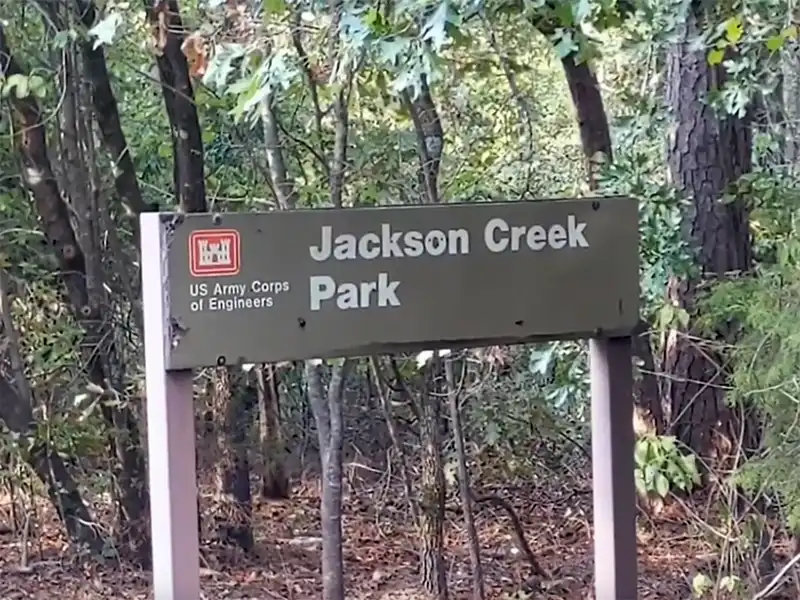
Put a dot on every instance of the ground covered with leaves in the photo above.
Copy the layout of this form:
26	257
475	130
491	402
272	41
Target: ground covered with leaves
380	553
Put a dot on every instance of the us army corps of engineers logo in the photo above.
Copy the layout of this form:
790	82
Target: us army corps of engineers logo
214	253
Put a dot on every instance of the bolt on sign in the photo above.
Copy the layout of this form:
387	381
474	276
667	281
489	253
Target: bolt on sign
262	287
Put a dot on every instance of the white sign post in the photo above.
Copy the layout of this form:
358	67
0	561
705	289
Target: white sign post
170	433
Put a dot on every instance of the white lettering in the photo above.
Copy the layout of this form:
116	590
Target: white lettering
323	251
231	297
234	304
517	233
380	293
387	291
557	237
389	244
198	289
414	246
345	247
493	244
536	238
269	287
369	246
435	243
575	233
499	236
321	288
229	289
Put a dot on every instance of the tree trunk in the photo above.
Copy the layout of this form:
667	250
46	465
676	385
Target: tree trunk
790	72
107	115
591	115
707	154
164	18
453	396
234	503
328	416
432	490
433	578
274	480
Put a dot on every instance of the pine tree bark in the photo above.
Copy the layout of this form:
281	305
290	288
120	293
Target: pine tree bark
707	153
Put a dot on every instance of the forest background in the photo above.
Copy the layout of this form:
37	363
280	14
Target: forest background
464	475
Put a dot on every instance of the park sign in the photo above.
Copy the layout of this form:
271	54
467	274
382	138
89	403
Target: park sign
283	285
262	287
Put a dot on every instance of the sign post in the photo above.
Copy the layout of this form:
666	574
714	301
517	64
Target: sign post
291	285
170	432
613	487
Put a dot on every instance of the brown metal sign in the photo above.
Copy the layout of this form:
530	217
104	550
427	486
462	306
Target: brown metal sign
262	287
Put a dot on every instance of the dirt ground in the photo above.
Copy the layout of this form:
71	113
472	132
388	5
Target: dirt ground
380	554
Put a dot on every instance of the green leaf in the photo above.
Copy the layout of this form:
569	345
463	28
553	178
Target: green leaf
491	433
715	57
374	19
38	86
460	39
774	43
61	39
734	29
105	30
640	453
564	14
729	583
16	83
208	136
435	29
666	316
641	488
23	87
650	475
689	464
565	45
668	443
275	7
662	485
701	585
